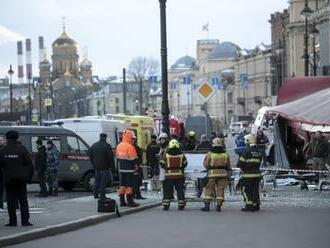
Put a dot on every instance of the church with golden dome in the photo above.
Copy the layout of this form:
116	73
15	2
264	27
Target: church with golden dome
66	80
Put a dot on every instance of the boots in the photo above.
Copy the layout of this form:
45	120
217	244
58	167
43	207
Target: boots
50	192
166	207
248	208
219	208
122	201
130	201
206	207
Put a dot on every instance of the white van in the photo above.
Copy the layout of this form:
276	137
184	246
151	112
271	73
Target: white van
90	128
237	127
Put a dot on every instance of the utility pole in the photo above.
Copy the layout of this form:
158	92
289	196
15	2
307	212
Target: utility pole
141	96
30	100
11	72
165	108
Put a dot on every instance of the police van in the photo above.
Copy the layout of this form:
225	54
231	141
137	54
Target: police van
75	167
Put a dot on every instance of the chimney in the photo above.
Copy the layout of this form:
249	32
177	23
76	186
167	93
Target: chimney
42	51
20	68
28	57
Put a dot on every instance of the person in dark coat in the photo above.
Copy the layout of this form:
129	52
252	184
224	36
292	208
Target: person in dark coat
205	144
40	164
102	159
138	174
18	171
152	151
53	164
2	144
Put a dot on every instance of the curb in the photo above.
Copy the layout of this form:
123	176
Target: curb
68	226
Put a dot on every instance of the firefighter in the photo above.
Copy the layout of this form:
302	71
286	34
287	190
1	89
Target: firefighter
217	164
174	163
249	163
191	142
127	160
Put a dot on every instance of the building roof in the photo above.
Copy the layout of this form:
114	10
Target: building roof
64	39
185	62
225	50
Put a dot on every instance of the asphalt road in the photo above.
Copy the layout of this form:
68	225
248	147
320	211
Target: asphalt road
280	227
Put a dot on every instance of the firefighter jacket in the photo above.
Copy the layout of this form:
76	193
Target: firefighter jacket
174	163
250	161
217	162
126	154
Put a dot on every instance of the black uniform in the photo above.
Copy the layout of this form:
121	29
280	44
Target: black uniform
250	162
137	175
152	152
40	164
174	163
17	170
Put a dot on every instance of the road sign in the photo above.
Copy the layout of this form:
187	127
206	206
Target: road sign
48	102
35	118
34	111
205	91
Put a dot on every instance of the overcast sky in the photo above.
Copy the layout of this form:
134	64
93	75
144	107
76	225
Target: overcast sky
115	31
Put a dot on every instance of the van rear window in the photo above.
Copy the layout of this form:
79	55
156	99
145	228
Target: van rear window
56	140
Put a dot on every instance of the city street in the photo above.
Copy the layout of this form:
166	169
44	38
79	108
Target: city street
289	218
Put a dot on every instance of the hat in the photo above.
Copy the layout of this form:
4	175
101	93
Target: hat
153	136
12	135
250	139
163	136
174	144
192	133
203	137
39	141
50	142
217	142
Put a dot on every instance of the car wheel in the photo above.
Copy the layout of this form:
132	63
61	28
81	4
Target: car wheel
89	181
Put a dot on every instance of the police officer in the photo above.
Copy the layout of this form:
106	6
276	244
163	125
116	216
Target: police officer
217	163
138	174
53	162
40	164
174	163
18	170
249	163
152	151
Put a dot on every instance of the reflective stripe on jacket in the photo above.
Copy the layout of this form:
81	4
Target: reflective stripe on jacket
250	162
217	164
174	165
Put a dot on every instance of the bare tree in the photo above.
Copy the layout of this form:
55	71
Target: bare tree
141	67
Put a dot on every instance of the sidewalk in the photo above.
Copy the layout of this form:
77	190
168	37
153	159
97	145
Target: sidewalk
51	216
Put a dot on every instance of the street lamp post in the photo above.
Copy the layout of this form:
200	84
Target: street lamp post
305	13
30	100
11	72
165	107
314	33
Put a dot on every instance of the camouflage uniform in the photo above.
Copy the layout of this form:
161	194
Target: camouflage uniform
53	163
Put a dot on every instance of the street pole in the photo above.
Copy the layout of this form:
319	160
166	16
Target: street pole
306	56
124	91
40	105
11	72
165	109
314	58
224	106
30	101
141	96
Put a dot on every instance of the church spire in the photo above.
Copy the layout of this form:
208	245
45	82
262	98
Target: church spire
63	24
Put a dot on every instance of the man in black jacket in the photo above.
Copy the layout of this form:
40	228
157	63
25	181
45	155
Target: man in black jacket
152	152
102	159
17	170
40	164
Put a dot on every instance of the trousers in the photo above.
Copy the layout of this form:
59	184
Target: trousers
215	188
52	180
168	187
102	178
42	182
250	191
125	183
17	191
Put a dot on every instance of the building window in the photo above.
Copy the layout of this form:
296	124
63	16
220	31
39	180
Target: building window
136	107
117	100
117	109
230	97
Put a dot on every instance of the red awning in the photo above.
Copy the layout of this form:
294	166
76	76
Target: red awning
313	109
298	87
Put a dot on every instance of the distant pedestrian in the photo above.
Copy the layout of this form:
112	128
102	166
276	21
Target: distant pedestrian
163	143
53	163
191	142
262	142
102	159
18	171
152	151
319	150
2	144
40	164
